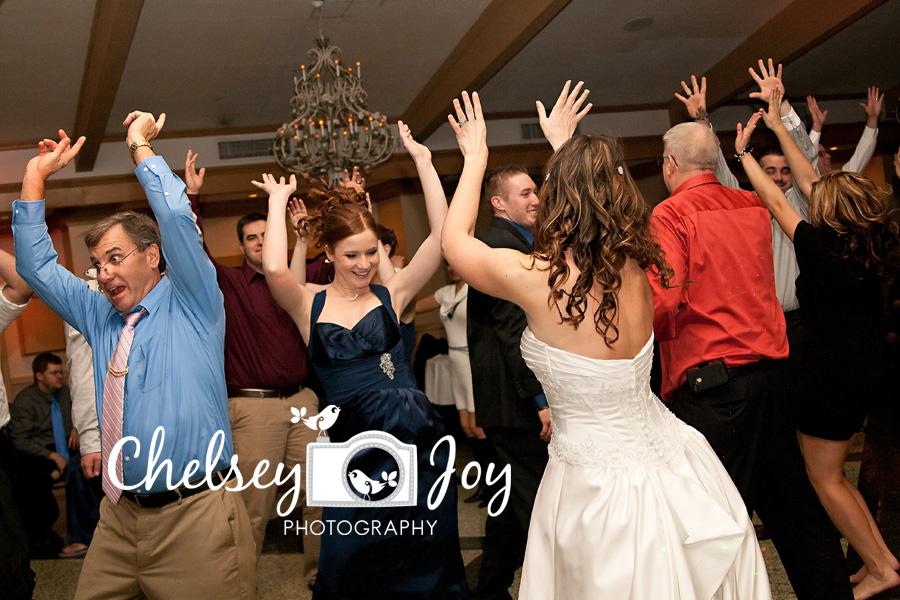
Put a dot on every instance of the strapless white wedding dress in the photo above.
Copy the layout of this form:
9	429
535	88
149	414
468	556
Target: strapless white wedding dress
634	503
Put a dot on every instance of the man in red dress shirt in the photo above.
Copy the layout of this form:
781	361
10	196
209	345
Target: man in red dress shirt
723	344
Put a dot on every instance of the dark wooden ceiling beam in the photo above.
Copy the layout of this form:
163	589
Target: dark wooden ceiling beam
115	22
502	30
798	28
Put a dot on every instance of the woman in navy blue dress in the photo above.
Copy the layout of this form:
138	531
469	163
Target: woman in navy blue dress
352	333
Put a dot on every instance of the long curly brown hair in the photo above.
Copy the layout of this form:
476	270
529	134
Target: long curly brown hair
592	208
336	213
860	213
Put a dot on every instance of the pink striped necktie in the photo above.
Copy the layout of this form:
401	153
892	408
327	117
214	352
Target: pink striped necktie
113	402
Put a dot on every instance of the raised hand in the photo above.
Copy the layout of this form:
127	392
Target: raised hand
818	115
768	79
54	156
560	124
279	189
772	117
193	178
872	106
298	217
419	152
354	181
143	125
471	133
744	132
695	101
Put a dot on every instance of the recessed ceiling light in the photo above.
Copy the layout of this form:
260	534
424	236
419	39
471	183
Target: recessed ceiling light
638	24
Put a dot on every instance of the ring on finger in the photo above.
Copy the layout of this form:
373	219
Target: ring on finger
462	122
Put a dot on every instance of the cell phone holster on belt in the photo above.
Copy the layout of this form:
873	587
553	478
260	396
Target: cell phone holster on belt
707	377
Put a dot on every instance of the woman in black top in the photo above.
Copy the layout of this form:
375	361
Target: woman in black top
844	251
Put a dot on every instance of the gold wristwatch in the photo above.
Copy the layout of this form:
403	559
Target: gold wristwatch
137	144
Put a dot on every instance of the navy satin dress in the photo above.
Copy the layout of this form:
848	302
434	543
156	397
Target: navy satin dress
354	371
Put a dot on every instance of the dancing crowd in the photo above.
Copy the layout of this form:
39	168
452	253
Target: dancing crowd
767	309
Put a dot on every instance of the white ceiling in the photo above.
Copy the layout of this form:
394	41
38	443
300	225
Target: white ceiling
213	65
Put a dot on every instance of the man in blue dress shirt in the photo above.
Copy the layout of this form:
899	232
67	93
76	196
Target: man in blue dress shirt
168	535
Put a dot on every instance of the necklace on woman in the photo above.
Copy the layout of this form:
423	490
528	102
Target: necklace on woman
352	298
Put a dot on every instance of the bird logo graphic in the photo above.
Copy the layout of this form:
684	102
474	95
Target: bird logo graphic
319	422
365	486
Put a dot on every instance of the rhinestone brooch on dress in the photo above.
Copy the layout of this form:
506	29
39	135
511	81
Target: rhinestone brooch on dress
387	365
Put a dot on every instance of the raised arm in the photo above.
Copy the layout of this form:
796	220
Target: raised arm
406	284
770	78
193	182
562	121
298	216
803	172
494	271
36	259
189	269
694	100
865	148
818	116
193	178
766	189
16	290
294	298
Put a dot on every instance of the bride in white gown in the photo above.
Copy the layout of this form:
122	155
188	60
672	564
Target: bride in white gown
634	503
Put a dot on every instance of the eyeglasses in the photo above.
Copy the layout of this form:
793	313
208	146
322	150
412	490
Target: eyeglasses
110	266
662	161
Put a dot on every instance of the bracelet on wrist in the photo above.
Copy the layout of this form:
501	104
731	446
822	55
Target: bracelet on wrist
703	118
740	155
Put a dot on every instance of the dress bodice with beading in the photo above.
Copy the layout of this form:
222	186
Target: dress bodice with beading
365	372
602	411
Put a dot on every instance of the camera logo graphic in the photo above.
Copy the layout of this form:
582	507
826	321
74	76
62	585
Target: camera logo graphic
372	468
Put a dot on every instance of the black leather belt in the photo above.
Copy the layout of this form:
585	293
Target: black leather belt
288	390
754	367
165	498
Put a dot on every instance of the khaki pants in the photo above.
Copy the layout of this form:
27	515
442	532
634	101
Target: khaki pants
200	547
262	430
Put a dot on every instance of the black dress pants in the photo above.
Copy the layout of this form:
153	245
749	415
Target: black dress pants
506	534
749	423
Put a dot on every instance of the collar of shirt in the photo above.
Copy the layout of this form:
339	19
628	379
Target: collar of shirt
248	271
523	230
697	180
151	301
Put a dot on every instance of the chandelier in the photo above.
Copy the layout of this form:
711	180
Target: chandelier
330	130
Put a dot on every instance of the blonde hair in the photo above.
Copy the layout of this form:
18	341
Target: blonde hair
859	212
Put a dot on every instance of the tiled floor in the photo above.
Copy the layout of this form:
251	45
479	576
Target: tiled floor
876	462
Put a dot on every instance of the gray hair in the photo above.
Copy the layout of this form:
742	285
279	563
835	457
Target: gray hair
693	146
140	228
